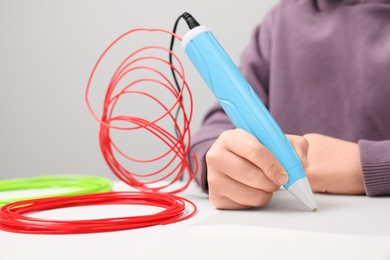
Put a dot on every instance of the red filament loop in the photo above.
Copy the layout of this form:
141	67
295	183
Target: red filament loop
173	161
13	216
156	186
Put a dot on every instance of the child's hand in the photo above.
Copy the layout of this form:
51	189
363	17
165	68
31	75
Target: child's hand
334	165
243	173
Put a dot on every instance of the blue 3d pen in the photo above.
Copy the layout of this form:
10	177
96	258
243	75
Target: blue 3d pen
242	105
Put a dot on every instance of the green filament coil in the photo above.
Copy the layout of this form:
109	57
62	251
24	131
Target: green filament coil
77	185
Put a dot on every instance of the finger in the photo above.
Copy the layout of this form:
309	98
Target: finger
247	146
301	147
224	186
243	171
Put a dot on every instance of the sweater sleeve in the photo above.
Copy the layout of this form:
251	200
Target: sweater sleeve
375	159
254	66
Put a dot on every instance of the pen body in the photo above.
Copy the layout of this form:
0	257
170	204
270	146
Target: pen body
238	99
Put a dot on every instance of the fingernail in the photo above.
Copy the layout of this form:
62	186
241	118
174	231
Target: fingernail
282	178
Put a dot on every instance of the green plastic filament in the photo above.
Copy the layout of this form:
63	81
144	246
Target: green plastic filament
78	184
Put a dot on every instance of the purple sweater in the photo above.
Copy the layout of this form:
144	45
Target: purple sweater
321	66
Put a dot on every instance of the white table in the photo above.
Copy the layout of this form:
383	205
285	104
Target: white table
345	227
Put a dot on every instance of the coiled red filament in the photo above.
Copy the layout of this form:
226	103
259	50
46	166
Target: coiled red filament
174	159
13	216
154	184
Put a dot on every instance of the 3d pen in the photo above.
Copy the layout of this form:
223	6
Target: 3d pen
242	105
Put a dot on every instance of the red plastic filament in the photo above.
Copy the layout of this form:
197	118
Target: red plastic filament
13	216
173	160
139	75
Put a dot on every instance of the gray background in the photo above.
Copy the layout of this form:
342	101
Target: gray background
47	50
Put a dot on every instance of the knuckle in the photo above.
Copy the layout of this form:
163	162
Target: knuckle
214	156
211	155
226	135
239	131
253	150
212	179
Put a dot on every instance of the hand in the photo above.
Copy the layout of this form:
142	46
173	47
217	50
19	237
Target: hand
242	173
334	165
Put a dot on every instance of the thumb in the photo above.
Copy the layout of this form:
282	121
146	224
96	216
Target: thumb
301	147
